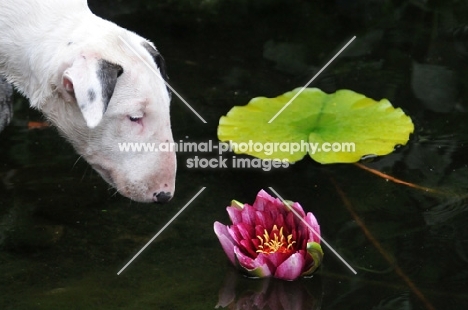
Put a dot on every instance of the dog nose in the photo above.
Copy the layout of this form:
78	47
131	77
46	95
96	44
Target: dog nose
162	197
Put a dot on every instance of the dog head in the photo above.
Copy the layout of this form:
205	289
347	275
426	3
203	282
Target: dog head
112	95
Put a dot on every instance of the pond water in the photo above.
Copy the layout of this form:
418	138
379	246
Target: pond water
64	234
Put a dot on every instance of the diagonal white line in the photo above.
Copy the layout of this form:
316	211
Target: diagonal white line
311	80
161	230
313	231
167	84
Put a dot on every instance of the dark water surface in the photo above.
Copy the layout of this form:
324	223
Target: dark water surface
64	234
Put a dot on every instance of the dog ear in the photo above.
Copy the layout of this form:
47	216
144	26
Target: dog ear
91	82
158	59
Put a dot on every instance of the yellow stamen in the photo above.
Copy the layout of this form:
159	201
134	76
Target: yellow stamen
279	243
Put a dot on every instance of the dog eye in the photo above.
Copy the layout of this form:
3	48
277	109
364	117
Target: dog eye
135	119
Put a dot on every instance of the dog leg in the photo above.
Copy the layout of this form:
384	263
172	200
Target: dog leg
6	109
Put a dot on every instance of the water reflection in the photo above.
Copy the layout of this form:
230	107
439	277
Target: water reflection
239	292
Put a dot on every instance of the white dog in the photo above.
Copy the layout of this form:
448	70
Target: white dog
100	84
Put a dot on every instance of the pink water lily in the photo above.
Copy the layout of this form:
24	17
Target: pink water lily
268	239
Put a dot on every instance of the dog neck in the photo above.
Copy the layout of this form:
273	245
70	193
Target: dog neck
41	53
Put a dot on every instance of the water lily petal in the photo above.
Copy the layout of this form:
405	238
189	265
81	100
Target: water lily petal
315	251
226	241
279	220
261	220
273	259
256	242
291	268
290	225
259	230
249	247
312	221
248	215
298	208
254	268
243	260
263	199
234	214
268	220
234	233
247	231
259	272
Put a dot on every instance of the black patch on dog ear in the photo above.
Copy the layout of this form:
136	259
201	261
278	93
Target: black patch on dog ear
160	63
107	74
91	95
158	59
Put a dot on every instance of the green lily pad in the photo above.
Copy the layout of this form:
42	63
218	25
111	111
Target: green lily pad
333	128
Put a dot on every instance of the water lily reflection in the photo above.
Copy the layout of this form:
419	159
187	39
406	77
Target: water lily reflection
270	294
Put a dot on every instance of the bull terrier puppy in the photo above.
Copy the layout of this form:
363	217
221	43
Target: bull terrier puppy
99	84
